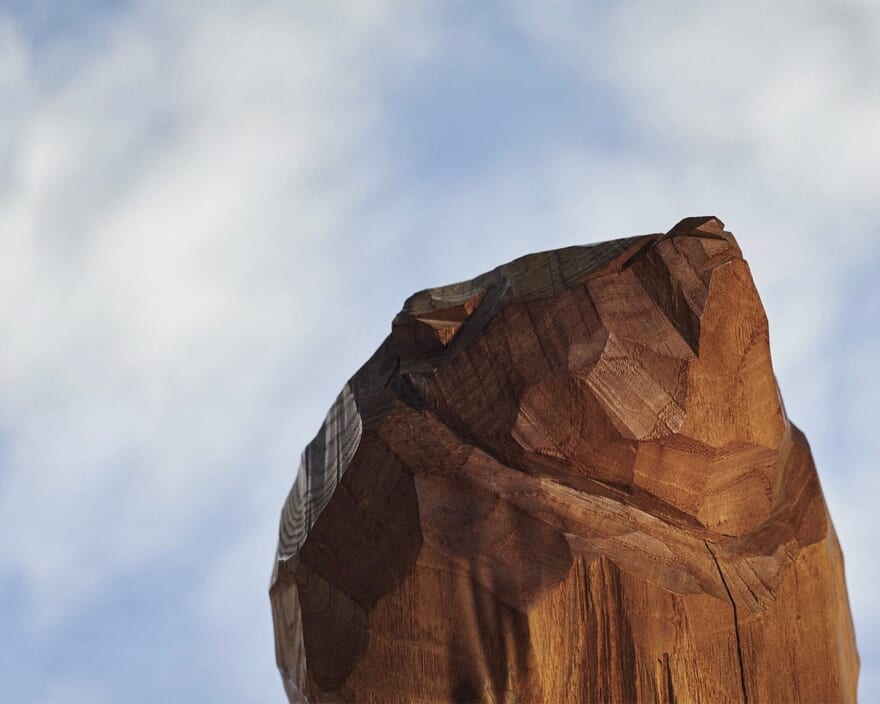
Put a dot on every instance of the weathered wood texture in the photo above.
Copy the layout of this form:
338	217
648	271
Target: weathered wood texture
571	479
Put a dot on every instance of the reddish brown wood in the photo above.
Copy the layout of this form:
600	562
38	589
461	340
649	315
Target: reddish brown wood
571	479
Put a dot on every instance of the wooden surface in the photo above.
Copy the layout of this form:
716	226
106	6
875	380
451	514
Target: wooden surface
571	479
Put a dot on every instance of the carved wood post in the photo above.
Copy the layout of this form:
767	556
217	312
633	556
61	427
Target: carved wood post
571	479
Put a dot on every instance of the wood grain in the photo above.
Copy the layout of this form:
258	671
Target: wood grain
571	479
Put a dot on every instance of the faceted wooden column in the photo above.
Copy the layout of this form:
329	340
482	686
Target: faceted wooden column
571	479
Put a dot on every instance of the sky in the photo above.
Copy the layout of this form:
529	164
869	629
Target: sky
211	211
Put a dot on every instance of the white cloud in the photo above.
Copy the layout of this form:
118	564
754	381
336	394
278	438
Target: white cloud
72	691
790	88
171	208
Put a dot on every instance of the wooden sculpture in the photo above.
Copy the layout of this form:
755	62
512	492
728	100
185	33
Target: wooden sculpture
571	479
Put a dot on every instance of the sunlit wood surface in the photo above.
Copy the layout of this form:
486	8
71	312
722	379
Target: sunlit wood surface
571	479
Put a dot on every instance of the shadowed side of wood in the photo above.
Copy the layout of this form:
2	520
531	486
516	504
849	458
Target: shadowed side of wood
570	479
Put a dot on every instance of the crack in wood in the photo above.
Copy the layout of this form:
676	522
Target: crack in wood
739	653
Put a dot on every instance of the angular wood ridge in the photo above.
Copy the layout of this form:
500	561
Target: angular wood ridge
570	479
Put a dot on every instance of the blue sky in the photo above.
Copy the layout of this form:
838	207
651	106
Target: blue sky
210	212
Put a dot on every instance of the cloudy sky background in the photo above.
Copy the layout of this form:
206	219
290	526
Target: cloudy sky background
210	212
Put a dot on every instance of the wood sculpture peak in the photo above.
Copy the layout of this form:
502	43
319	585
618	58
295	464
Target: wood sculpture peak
570	479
